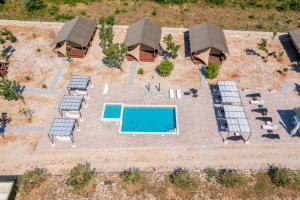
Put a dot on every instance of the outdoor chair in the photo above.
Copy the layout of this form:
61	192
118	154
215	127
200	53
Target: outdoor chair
178	93
171	94
257	102
270	126
187	93
105	89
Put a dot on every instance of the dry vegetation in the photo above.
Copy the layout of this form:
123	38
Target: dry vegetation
257	185
230	16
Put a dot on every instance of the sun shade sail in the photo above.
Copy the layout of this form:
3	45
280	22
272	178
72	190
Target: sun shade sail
79	83
71	103
62	127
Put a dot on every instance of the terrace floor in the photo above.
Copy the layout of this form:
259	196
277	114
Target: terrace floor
197	146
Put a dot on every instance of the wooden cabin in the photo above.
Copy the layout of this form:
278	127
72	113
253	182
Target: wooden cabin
143	41
75	37
207	44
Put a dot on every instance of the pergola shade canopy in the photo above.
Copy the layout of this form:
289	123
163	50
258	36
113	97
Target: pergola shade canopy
76	32
295	37
143	32
207	36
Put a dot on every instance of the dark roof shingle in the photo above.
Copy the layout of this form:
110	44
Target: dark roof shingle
143	32
207	35
78	30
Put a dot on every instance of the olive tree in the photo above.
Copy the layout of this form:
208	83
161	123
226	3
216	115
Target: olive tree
115	54
171	46
9	90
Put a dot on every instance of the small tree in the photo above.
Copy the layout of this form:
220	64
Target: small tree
115	54
263	45
171	46
9	90
106	34
279	176
33	5
132	175
212	70
165	68
182	178
80	176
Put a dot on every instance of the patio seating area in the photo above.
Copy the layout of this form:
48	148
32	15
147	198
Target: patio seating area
70	110
230	113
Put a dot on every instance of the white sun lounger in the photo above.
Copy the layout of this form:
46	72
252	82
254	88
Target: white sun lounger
269	127
171	94
105	89
80	92
257	102
178	93
73	114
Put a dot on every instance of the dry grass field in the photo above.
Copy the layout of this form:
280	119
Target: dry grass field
231	16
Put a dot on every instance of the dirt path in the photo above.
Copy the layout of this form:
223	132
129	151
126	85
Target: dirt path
238	156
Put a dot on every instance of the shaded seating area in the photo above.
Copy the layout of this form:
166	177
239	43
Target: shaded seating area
75	37
79	85
207	44
71	106
70	110
62	129
230	113
295	38
143	40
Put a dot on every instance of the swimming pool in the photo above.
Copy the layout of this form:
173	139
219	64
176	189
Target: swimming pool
147	119
111	112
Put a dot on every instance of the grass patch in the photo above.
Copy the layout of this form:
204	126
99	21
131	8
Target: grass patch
30	180
279	176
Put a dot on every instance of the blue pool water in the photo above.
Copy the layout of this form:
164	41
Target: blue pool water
148	119
112	111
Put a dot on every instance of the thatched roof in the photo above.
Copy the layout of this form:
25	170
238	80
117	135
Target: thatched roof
295	36
78	31
207	35
143	32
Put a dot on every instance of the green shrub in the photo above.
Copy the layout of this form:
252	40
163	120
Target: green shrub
115	55
9	90
171	46
154	12
5	32
285	69
63	17
12	38
140	71
53	10
217	2
279	176
183	179
165	68
230	178
80	176
31	179
132	175
33	5
212	70
211	173
2	41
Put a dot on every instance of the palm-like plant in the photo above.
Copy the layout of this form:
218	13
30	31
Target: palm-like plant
9	90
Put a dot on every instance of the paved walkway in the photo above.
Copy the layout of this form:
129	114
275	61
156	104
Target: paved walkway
25	129
132	72
203	82
51	89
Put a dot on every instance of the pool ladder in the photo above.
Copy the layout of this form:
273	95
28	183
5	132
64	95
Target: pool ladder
172	130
